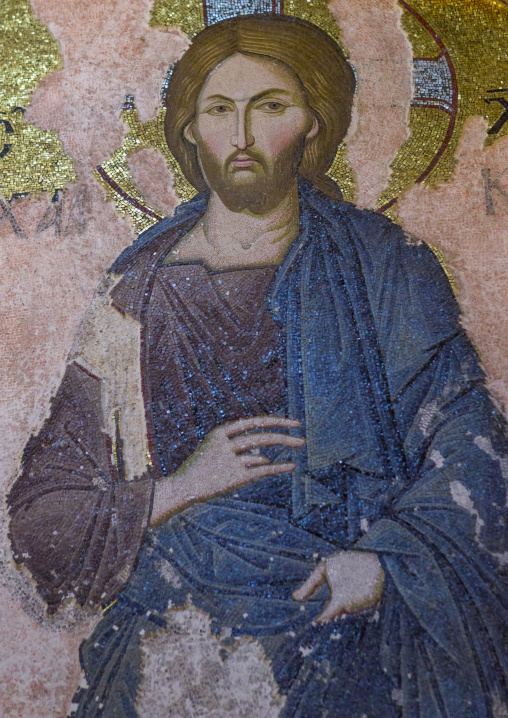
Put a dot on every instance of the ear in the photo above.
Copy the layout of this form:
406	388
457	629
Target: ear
187	133
313	130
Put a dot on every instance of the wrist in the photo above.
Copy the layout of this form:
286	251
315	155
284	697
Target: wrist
171	495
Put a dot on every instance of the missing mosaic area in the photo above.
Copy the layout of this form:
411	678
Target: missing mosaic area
450	85
114	174
460	57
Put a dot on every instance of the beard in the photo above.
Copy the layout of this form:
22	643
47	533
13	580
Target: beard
258	189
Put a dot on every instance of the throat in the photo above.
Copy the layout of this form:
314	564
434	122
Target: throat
250	243
246	231
227	239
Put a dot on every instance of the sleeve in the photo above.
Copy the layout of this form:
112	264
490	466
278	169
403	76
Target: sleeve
75	522
443	539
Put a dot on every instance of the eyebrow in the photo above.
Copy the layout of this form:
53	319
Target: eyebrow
259	96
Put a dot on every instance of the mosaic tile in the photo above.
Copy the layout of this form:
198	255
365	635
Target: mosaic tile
272	473
32	160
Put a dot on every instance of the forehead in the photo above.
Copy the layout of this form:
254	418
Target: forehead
244	76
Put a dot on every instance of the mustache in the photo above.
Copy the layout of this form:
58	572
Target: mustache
248	152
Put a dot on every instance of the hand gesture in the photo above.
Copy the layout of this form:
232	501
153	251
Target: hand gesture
355	580
227	459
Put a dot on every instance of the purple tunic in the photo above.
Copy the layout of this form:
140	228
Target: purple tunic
212	354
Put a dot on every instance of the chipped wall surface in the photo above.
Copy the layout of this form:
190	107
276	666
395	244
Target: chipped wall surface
55	254
223	676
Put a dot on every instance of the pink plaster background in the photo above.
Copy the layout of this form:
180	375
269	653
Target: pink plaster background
47	281
475	245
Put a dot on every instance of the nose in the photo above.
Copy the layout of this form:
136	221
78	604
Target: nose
242	133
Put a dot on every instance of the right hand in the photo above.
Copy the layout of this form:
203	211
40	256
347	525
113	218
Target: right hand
222	462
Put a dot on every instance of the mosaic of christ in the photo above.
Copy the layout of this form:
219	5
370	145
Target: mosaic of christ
272	431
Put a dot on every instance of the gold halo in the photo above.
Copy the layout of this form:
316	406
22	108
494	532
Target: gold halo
451	84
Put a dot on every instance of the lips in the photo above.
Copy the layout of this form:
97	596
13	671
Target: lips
243	162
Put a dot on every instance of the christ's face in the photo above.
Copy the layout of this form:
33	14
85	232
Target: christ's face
252	122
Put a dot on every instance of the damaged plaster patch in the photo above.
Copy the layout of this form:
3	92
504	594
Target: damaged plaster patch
398	697
499	708
426	416
437	457
462	498
170	574
412	240
189	672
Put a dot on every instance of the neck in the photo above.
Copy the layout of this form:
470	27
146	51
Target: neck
225	228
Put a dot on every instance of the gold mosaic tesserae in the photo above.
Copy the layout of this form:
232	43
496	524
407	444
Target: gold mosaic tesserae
460	69
31	160
460	58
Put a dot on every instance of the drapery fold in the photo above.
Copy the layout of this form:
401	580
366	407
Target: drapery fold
405	457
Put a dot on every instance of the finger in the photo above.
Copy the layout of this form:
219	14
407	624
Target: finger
253	459
332	610
252	441
259	422
270	470
311	585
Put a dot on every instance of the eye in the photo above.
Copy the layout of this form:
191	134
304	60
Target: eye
219	110
272	106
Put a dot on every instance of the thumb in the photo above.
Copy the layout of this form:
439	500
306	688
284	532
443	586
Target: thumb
315	580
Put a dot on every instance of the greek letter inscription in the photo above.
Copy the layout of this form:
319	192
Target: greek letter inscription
8	131
7	214
64	215
499	124
490	185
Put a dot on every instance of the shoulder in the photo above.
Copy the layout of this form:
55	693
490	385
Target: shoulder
155	237
405	276
379	234
135	267
383	244
375	232
396	266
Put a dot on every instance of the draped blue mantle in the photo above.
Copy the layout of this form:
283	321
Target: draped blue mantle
405	457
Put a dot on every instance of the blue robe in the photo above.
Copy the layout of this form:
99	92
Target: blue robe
404	458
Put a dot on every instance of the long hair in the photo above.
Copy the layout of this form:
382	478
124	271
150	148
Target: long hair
314	57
